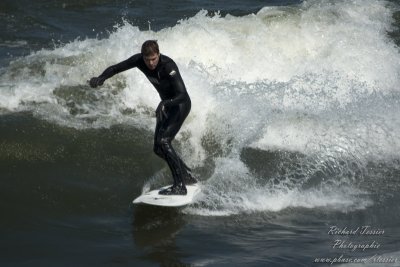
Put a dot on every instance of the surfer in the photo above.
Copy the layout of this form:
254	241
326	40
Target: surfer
172	111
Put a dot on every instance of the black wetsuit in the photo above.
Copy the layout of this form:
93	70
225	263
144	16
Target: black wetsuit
173	109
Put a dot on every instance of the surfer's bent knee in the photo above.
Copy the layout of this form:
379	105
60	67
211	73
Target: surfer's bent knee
165	144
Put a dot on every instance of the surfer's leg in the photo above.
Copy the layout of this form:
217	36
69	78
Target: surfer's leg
157	148
174	164
187	174
180	172
165	131
158	134
186	171
171	131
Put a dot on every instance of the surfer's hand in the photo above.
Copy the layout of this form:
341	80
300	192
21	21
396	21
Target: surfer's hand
96	81
160	111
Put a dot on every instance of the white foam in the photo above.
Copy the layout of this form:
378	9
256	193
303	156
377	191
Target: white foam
13	44
233	190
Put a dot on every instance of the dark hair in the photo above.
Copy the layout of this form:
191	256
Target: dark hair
150	47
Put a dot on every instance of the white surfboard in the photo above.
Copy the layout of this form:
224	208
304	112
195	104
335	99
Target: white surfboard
153	198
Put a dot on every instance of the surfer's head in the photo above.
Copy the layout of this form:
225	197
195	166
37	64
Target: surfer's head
151	54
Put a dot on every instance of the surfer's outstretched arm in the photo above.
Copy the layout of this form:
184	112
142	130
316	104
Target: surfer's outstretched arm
115	69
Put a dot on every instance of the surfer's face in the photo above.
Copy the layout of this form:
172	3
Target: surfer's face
151	61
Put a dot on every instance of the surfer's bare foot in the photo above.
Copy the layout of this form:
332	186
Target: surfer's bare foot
174	190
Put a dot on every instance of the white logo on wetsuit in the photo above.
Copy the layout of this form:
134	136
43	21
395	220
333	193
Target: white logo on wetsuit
172	73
